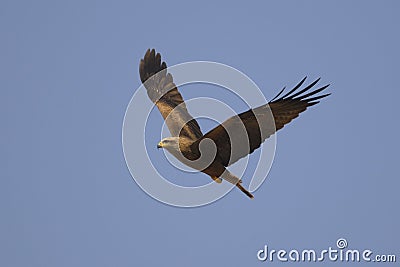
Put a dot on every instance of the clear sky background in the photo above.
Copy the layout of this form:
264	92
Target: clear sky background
69	68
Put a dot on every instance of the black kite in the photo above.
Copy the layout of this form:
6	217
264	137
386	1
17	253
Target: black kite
186	134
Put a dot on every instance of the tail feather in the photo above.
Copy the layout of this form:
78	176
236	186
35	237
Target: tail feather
244	190
236	181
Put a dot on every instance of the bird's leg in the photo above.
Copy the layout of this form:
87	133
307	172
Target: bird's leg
216	179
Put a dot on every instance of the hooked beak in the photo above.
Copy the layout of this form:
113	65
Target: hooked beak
159	145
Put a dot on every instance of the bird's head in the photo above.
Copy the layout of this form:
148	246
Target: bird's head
169	143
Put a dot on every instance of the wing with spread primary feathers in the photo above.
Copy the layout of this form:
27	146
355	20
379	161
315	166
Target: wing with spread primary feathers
257	123
164	94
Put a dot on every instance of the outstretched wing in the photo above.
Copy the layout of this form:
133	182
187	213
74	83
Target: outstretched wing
164	94
258	123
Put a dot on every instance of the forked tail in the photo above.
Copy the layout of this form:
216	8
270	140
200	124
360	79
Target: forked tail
244	190
236	181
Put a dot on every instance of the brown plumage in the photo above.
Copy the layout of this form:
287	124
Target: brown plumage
163	92
235	138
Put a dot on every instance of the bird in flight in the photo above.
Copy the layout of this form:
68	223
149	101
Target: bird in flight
233	139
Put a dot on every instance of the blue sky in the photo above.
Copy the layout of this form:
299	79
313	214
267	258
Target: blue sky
69	68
